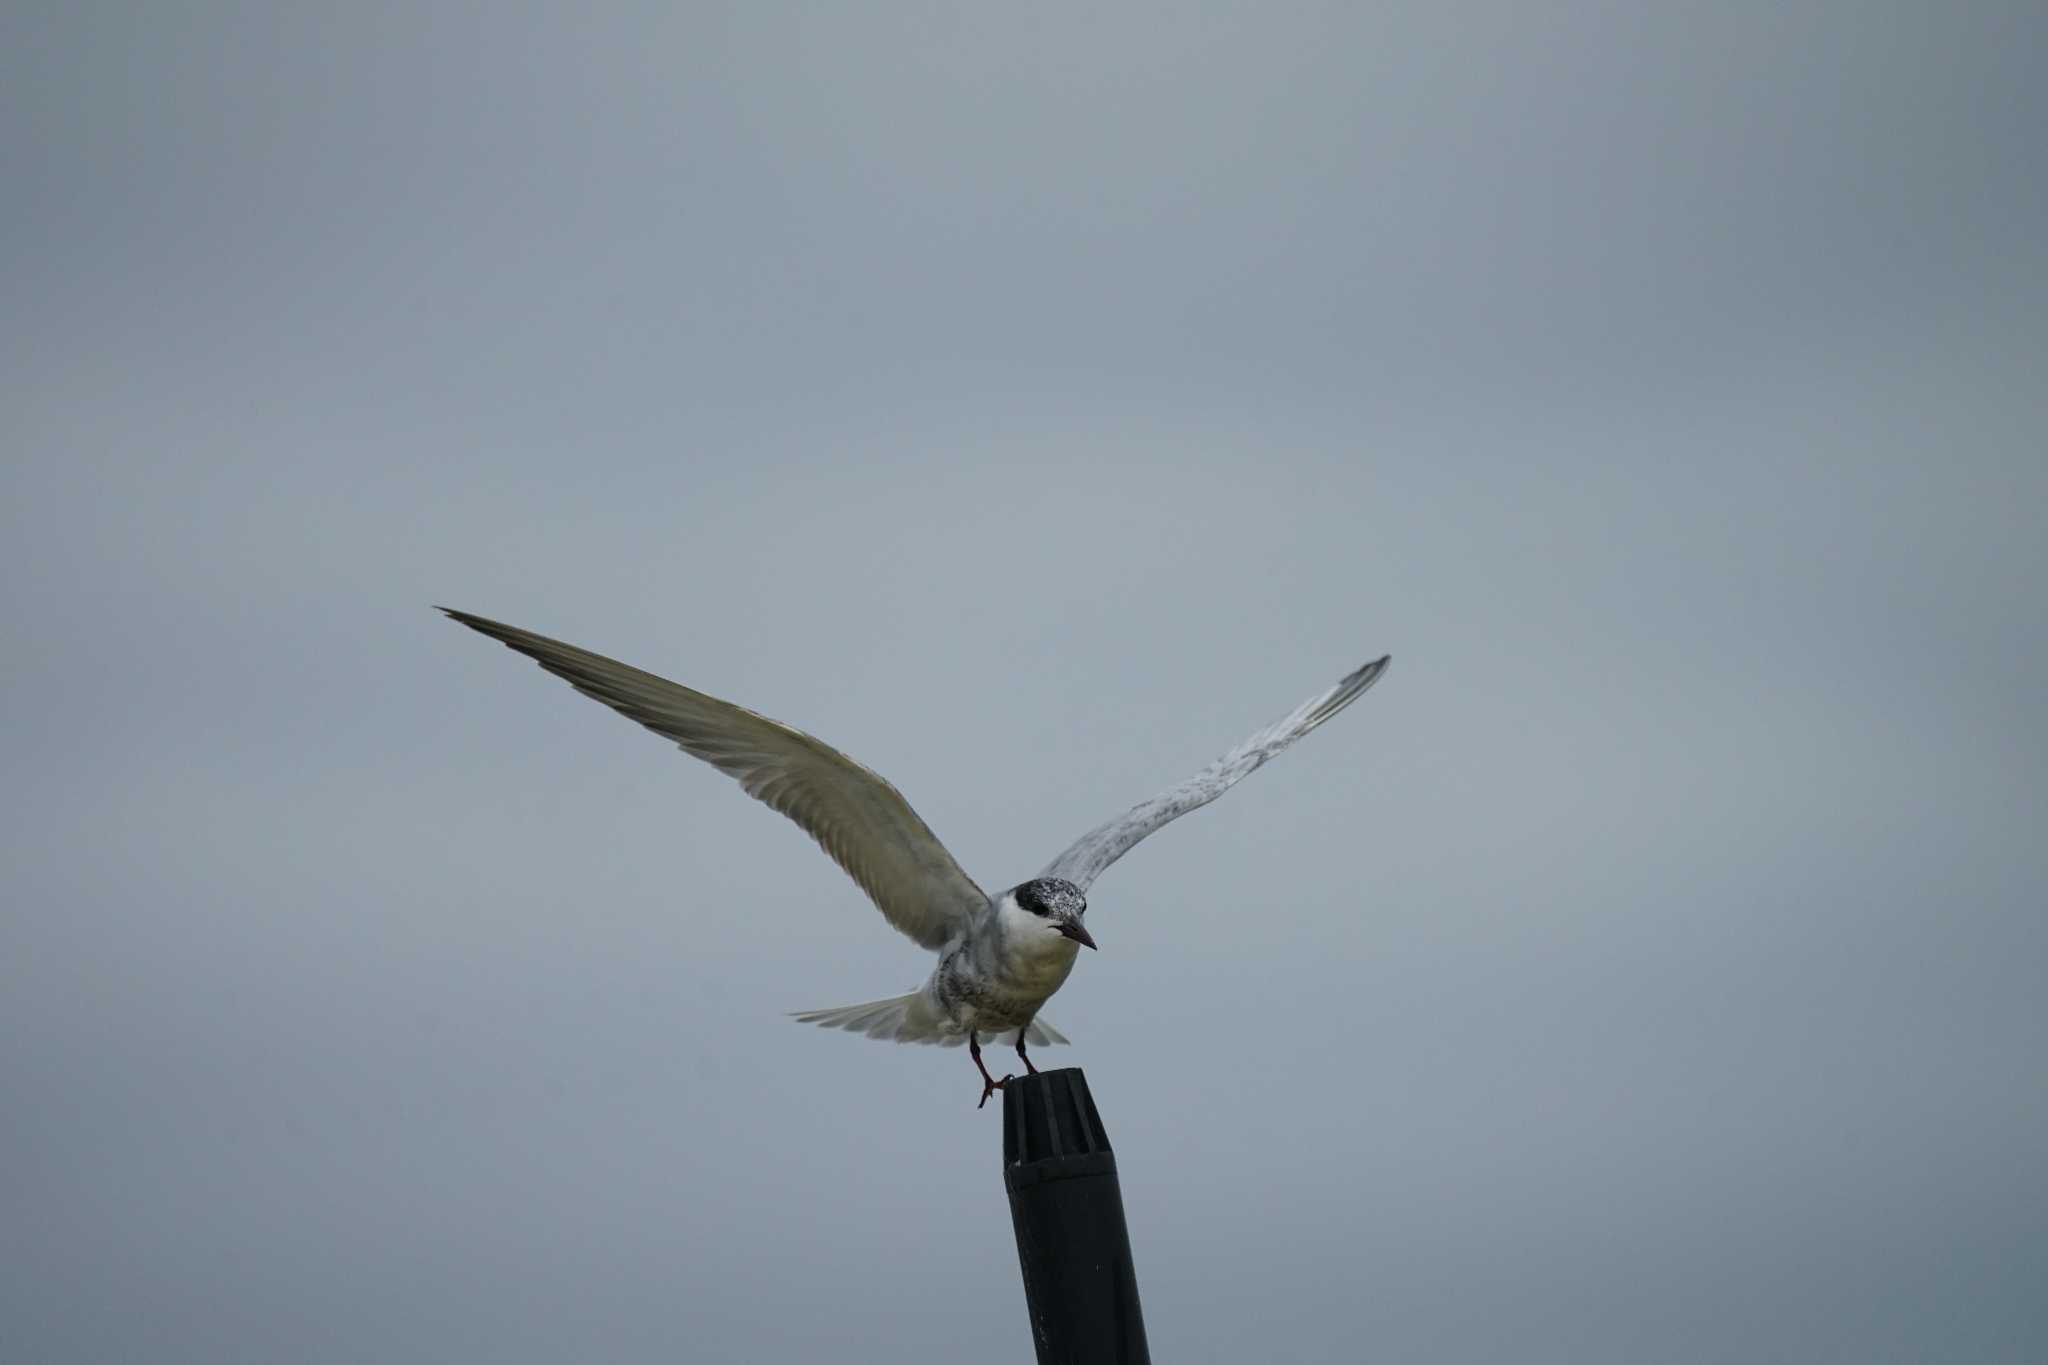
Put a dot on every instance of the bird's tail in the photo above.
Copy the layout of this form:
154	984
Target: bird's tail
911	1019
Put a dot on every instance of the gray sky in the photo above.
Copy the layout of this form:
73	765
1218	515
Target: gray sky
1030	404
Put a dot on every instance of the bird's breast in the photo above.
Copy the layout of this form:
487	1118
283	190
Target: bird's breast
1002	985
1042	969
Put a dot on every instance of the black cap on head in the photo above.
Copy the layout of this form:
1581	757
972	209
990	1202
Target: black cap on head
1051	896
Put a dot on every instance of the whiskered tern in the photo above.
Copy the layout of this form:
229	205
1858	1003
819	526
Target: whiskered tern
1000	958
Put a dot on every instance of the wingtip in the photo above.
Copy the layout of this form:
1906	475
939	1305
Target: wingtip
481	624
1370	672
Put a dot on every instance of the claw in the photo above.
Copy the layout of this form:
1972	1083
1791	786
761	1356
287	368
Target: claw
989	1084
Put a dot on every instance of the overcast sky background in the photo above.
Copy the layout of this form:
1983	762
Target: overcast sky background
1030	403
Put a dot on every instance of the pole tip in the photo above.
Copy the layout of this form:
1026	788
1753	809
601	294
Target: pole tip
1052	1117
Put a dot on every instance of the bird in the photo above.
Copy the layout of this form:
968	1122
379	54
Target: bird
1000	958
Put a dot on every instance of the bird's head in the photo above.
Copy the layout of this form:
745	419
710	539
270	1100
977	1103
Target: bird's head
1050	907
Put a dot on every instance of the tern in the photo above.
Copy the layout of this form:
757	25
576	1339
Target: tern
1000	958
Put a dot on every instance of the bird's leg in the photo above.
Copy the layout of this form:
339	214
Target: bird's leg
1020	1052
989	1084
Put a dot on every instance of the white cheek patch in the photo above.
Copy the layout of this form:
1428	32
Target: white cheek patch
1021	923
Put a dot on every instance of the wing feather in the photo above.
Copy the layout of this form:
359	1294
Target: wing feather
1094	851
856	816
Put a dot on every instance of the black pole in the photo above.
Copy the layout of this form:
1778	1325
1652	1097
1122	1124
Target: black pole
1069	1213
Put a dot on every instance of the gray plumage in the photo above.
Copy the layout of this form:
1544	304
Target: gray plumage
853	812
999	958
1091	854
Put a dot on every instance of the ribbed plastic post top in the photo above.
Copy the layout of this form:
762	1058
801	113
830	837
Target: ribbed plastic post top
1068	1211
1051	1130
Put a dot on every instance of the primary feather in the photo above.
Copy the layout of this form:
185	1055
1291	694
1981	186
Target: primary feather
1091	854
852	811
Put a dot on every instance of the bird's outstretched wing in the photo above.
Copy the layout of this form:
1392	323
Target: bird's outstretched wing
1099	847
862	821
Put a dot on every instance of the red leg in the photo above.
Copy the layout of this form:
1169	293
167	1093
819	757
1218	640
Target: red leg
1020	1052
989	1084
